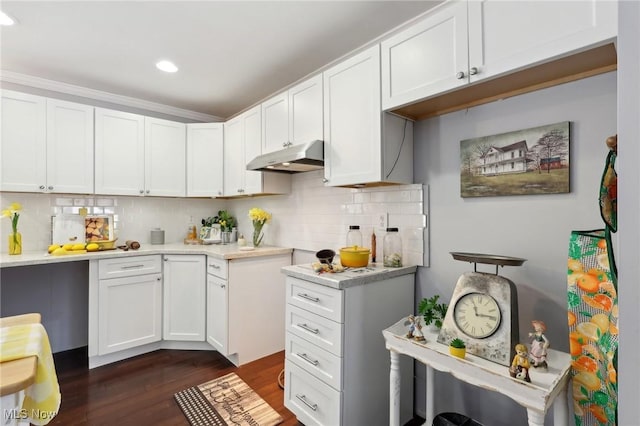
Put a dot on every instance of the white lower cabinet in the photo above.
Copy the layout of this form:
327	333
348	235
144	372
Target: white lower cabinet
217	305
337	366
130	306
184	298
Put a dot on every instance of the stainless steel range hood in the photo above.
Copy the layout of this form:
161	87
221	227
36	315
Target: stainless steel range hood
294	159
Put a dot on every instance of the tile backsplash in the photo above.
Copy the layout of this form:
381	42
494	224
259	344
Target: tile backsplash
310	218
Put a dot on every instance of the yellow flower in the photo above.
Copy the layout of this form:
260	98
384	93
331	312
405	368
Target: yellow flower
12	212
258	215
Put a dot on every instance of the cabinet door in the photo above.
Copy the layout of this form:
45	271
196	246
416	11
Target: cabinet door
507	36
23	144
129	312
205	149
426	58
184	297
352	117
165	158
305	111
234	166
217	314
69	147
252	120
275	123
119	153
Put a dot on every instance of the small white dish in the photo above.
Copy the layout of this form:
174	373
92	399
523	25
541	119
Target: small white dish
247	248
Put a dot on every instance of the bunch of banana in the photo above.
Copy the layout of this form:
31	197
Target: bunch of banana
71	248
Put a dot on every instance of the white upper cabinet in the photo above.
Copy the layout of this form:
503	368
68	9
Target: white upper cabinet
242	143
205	148
137	155
356	152
463	42
119	157
427	57
47	145
294	116
165	163
505	36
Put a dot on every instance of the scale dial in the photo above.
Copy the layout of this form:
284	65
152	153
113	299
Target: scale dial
477	315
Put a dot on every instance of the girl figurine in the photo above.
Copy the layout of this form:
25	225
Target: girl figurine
520	365
539	345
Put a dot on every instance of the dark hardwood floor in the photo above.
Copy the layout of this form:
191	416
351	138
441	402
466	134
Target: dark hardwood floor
139	391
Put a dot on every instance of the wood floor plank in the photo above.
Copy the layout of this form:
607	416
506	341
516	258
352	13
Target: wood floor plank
139	391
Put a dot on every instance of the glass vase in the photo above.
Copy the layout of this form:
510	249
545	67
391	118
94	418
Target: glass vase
257	234
15	243
225	236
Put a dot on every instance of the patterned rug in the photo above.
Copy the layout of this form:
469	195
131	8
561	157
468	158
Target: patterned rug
226	401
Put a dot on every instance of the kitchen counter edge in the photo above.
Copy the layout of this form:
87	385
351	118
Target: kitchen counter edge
225	252
342	281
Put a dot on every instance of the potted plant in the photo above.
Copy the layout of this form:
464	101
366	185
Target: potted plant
457	348
432	311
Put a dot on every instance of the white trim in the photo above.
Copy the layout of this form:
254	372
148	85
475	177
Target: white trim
85	92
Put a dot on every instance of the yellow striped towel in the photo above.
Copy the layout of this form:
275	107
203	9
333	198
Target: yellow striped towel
42	398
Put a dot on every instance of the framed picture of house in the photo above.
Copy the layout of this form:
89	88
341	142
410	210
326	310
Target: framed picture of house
523	162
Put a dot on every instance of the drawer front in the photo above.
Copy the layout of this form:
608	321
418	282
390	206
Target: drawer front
318	362
312	401
316	298
129	266
313	328
217	267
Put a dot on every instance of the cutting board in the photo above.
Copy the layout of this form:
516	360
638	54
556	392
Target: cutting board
66	228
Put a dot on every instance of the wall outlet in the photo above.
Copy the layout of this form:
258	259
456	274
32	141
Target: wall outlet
382	220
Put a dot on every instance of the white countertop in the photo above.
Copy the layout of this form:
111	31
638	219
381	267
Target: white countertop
350	277
220	251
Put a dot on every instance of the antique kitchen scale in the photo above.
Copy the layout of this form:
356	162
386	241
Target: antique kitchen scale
484	310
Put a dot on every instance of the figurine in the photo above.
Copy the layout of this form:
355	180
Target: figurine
520	365
539	345
417	333
412	326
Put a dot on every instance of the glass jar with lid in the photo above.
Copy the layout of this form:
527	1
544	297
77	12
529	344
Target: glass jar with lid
354	236
392	249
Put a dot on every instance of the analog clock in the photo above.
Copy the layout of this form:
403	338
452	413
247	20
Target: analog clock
477	315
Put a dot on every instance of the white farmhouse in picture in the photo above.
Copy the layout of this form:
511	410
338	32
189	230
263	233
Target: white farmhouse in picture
506	159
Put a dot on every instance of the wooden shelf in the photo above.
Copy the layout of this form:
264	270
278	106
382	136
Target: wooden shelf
581	65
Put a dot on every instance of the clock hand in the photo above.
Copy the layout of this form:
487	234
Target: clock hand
486	316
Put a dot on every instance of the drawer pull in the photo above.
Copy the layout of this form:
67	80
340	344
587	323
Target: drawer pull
303	398
306	327
306	296
306	358
132	267
215	266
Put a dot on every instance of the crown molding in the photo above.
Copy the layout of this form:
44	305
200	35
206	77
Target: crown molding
85	92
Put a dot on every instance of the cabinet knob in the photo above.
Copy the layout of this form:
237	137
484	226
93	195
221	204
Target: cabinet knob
222	286
284	144
50	188
148	191
142	191
460	75
42	187
325	180
473	71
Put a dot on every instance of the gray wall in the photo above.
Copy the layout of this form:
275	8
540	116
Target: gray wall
535	227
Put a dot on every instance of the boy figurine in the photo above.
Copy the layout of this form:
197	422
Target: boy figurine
520	365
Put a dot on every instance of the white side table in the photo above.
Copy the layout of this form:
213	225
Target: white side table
545	389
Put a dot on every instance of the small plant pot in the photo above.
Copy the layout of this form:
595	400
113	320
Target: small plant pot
458	352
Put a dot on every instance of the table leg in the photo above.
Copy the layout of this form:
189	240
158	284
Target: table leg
561	409
536	418
394	390
429	414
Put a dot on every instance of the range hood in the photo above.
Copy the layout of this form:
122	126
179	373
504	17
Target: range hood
294	159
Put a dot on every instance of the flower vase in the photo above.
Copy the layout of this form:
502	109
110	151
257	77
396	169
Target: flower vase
15	243
257	233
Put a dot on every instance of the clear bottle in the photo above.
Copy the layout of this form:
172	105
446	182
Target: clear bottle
354	236
392	249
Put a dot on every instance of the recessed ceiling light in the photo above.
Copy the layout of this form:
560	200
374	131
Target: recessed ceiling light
167	66
6	19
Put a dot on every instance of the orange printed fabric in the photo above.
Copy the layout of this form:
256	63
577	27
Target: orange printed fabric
593	328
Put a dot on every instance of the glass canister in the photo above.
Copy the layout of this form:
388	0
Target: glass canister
354	236
392	249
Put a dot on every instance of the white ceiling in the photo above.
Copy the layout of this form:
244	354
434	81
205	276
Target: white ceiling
231	54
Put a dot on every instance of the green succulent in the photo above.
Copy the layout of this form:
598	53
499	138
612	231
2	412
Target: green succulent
457	343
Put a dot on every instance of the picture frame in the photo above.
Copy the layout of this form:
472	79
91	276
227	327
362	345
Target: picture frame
98	228
522	162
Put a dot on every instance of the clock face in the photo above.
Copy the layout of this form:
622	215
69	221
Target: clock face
477	315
